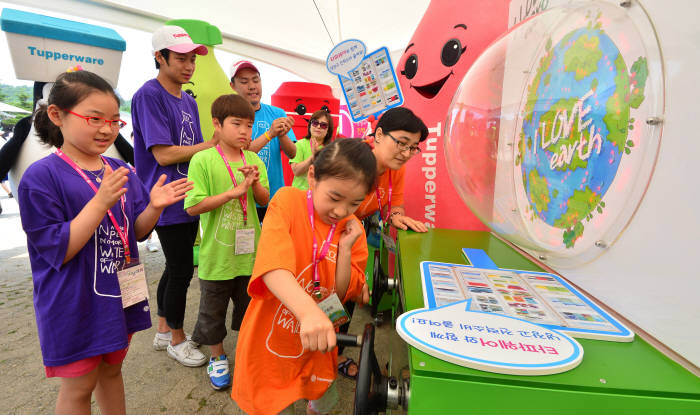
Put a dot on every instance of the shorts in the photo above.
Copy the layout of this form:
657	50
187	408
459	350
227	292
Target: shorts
87	365
323	405
213	304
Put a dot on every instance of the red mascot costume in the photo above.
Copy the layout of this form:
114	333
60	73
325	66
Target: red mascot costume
299	100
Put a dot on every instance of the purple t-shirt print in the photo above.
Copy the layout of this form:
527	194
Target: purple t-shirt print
78	305
162	119
186	139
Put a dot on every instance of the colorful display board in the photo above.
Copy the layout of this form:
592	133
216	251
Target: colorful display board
368	82
537	297
373	87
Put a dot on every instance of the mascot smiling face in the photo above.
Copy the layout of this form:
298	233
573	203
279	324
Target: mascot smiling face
448	39
446	42
426	69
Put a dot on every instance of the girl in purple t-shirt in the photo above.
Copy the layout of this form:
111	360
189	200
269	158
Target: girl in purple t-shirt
83	214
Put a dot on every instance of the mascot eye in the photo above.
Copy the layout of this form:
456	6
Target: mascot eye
325	108
191	93
411	67
300	109
451	52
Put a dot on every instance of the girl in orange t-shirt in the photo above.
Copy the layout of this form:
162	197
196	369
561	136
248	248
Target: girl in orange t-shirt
395	140
310	244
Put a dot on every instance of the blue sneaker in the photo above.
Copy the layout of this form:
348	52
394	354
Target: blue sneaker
219	376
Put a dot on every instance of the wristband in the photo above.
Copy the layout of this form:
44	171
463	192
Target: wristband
267	136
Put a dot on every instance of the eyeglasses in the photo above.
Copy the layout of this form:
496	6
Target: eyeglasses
98	122
322	125
404	146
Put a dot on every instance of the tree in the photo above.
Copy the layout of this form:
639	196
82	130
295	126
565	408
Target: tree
24	101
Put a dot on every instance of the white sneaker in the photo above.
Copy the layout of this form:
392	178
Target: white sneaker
162	340
151	246
187	355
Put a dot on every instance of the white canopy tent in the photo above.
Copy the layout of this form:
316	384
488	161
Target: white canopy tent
296	35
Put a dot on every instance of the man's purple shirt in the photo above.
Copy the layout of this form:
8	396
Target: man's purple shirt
161	119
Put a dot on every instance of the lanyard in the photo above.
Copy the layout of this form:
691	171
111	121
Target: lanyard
324	248
379	201
122	235
244	198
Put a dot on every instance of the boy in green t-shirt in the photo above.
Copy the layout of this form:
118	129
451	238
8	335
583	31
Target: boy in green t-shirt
228	181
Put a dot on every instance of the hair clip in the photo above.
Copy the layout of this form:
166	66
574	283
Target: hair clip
75	68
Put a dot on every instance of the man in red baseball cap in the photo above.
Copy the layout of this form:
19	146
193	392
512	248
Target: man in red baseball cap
272	129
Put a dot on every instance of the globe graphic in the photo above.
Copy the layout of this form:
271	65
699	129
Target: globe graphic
546	139
575	125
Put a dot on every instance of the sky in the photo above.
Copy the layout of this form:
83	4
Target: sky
137	63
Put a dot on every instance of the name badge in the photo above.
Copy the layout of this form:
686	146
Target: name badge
334	309
245	241
132	284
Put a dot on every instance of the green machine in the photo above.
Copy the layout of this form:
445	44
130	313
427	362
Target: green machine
554	141
614	378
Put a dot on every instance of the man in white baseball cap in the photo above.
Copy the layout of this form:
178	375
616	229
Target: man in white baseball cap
176	39
167	134
272	129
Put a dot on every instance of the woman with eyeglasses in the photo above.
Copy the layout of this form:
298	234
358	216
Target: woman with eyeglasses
319	133
394	141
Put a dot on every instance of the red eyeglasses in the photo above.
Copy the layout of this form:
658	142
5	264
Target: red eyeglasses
322	125
98	122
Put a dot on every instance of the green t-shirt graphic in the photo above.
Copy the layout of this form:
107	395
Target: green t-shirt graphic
217	259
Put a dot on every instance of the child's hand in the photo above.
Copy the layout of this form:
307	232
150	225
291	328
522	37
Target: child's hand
316	331
363	297
251	174
165	195
350	234
112	186
248	180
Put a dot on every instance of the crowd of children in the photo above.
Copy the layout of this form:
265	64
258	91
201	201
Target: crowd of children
83	214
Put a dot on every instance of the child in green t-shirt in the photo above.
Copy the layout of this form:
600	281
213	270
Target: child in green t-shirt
319	134
228	181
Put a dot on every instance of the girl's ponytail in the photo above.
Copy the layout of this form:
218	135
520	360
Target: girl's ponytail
48	132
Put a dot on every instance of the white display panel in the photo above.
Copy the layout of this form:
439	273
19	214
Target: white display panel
633	251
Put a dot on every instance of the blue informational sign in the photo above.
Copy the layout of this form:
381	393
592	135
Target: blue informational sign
541	298
488	341
368	81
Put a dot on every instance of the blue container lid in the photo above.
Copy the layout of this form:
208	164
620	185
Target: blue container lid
25	23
